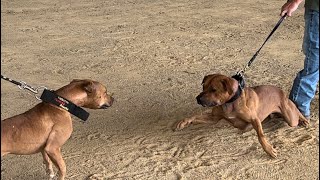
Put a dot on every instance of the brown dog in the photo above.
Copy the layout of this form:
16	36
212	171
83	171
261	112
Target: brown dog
46	127
248	110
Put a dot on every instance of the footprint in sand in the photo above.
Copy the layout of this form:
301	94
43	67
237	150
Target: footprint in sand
95	177
95	136
304	138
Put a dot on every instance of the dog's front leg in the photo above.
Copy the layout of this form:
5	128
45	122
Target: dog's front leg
53	150
256	123
55	154
48	163
207	117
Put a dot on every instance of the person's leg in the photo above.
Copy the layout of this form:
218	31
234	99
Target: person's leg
305	83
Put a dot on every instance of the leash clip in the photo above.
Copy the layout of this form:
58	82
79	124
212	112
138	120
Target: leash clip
37	94
239	76
24	85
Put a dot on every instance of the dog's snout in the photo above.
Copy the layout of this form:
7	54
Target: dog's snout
108	104
199	99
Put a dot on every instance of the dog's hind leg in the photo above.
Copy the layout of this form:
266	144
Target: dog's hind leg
48	163
292	114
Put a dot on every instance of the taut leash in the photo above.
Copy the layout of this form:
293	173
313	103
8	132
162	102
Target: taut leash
256	54
49	96
23	85
239	76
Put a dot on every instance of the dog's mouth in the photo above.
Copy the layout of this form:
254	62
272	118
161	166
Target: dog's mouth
204	103
208	104
105	106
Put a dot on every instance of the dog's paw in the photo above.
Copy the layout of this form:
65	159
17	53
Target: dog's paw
50	173
271	151
303	123
183	124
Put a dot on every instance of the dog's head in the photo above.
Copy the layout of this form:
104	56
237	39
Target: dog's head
91	94
217	89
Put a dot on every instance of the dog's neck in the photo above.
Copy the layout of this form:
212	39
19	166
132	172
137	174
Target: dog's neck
240	87
236	95
75	97
231	106
59	101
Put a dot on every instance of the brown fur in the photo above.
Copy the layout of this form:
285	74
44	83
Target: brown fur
249	110
46	127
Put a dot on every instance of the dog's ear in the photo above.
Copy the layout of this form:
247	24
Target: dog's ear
204	79
228	85
89	87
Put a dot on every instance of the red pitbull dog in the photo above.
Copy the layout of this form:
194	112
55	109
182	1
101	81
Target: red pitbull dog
46	127
249	110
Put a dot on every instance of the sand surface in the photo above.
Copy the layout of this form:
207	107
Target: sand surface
153	55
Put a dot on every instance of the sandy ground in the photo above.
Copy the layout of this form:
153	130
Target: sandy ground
153	55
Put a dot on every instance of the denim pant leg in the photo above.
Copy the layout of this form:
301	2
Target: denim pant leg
305	83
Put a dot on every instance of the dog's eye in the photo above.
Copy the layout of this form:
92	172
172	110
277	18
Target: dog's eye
213	90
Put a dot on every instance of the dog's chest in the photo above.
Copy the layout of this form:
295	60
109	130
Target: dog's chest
229	112
230	115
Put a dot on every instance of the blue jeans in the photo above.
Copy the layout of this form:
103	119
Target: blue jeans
305	83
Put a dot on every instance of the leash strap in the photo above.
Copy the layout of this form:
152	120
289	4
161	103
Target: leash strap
239	76
11	80
21	85
273	30
51	97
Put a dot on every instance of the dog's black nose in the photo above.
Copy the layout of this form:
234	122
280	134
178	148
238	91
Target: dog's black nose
201	100
198	99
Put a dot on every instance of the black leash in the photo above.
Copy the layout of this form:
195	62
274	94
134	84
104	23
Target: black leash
256	54
50	97
239	76
21	85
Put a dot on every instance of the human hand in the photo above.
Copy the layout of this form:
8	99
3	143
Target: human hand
290	7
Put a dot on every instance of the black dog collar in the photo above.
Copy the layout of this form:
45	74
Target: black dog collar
50	97
240	79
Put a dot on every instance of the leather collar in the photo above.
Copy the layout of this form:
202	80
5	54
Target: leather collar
52	98
241	84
